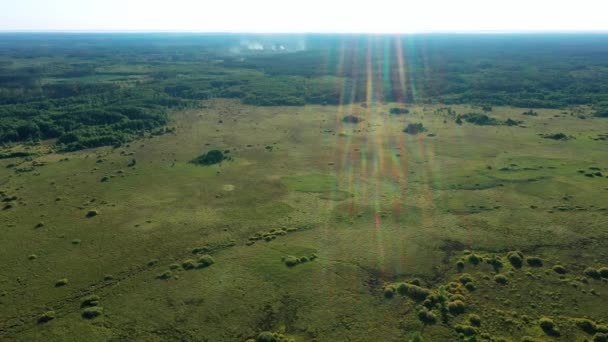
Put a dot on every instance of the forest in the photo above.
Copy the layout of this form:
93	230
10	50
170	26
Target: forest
88	91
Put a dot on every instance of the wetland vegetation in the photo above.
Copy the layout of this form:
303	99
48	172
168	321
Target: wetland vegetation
184	187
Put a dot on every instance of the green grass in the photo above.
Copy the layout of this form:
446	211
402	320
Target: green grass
377	207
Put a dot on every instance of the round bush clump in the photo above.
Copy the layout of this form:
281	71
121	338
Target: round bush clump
473	259
534	261
427	317
600	337
188	264
465	278
165	275
559	269
456	307
592	272
389	292
603	272
291	261
266	336
475	320
47	316
460	264
548	326
515	258
466	330
501	279
92	213
92	312
32	257
470	286
205	261
586	325
61	282
92	300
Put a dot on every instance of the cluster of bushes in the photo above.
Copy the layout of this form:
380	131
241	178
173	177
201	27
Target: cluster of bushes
209	158
414	128
85	95
291	261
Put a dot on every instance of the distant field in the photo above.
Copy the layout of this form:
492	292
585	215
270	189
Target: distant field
320	229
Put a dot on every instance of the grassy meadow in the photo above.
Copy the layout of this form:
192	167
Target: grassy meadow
317	229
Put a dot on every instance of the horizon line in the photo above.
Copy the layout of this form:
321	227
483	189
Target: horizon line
603	31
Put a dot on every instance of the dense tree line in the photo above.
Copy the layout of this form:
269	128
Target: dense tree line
95	90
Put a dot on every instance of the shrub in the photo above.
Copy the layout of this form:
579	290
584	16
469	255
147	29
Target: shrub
465	278
414	128
501	279
205	261
165	275
556	136
456	307
351	119
495	262
389	292
32	257
592	272
291	261
466	330
600	337
427	317
47	316
603	272
559	269
415	292
188	264
534	261
92	213
266	336
470	286
479	119
460	265
92	312
515	258
92	300
61	282
473	259
475	320
209	158
397	110
586	325
548	326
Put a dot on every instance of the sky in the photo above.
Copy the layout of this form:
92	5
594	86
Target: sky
371	16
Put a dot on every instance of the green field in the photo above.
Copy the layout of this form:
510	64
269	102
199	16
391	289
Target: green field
311	228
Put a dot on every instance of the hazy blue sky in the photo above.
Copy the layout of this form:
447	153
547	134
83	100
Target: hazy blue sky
304	15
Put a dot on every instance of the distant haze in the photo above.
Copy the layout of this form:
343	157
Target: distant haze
373	16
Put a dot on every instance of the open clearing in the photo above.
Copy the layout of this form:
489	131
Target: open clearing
375	206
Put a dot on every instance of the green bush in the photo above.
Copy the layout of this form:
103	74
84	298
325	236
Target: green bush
205	261
475	320
479	119
46	317
414	128
92	312
559	269
92	300
165	275
188	264
397	110
501	279
351	119
209	158
603	272
534	261
456	307
515	258
592	273
61	282
427	317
